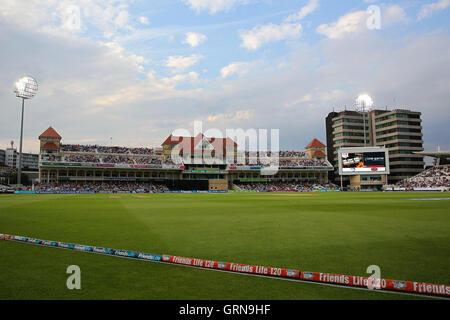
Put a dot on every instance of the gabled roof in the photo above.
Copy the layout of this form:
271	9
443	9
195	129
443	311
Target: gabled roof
319	153
49	145
50	133
315	144
192	142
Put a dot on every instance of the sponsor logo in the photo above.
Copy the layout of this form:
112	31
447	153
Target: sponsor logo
147	256
399	285
291	273
165	258
374	169
222	265
49	243
36	241
101	250
241	268
181	260
308	275
63	245
124	253
82	248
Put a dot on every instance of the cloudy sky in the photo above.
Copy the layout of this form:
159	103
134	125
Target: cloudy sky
136	70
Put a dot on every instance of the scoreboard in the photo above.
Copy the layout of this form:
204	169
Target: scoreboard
363	161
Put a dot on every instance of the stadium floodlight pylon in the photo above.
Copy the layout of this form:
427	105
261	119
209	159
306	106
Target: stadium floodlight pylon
25	88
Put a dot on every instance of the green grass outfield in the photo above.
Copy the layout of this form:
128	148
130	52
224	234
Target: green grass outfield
340	233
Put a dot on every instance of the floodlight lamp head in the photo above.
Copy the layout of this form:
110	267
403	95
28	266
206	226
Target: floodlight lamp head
364	103
26	87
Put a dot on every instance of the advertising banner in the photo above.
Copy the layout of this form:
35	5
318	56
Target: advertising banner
235	267
363	161
338	279
380	284
84	248
65	192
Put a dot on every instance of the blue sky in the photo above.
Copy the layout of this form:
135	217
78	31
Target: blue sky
137	70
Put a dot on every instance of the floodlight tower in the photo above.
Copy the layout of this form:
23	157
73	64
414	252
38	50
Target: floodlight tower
363	104
25	88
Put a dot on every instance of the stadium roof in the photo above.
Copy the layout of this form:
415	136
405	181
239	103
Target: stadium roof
50	133
319	153
436	154
315	144
49	145
194	142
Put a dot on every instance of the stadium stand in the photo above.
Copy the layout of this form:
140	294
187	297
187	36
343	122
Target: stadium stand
436	177
105	149
283	187
97	164
105	187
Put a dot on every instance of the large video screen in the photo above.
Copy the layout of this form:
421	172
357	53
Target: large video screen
355	162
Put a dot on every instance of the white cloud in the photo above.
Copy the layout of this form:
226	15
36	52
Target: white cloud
66	16
105	95
180	78
239	68
260	35
349	23
194	39
356	22
144	20
121	20
180	63
238	115
312	6
213	6
393	14
117	50
427	10
306	98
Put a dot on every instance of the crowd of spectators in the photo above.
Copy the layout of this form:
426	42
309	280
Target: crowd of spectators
143	151
303	163
150	151
436	177
118	159
169	162
105	187
116	150
281	154
82	158
148	160
292	154
78	148
148	187
105	149
146	156
282	186
283	163
51	157
109	159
